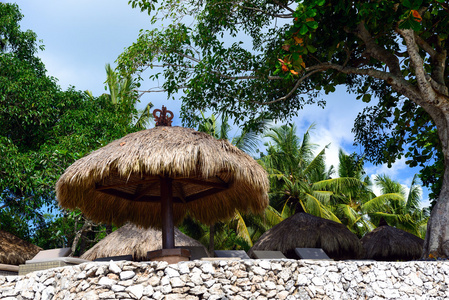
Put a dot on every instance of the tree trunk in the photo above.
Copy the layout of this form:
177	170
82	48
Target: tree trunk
211	239
436	243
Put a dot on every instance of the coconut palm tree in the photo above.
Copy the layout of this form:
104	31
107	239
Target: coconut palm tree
122	91
348	201
398	207
241	229
298	176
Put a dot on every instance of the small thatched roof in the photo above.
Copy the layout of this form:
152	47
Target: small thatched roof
211	178
130	239
391	244
15	251
303	230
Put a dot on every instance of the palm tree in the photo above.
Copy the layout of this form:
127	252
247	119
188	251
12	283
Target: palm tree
298	176
348	201
399	208
241	229
122	92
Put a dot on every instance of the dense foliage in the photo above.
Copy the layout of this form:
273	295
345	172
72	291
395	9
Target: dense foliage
44	130
269	58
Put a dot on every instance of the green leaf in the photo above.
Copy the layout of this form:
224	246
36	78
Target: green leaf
366	98
303	29
311	49
407	3
312	24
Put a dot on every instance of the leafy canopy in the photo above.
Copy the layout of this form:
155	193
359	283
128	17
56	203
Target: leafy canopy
270	58
44	129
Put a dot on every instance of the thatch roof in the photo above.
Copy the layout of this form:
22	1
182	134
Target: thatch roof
211	178
391	244
15	251
303	230
130	239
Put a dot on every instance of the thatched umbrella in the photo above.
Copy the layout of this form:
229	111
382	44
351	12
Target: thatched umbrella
15	251
303	230
388	243
154	177
137	241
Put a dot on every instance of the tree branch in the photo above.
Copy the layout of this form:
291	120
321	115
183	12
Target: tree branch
418	64
298	83
377	51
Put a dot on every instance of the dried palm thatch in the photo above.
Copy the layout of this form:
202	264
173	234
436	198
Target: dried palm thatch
386	243
130	239
303	230
120	182
15	251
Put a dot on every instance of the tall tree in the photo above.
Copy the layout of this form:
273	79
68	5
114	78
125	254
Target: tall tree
123	92
44	130
395	50
349	202
299	176
400	208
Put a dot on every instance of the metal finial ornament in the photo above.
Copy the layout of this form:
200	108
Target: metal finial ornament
164	118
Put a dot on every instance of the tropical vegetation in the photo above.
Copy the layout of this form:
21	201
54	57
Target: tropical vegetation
271	58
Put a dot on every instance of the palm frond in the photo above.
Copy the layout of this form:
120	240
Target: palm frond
145	116
414	194
242	229
272	216
338	185
381	203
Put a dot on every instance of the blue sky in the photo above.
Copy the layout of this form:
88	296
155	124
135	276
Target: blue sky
81	36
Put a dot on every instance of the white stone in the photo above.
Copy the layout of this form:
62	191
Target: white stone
184	268
148	290
166	289
49	281
157	295
317	281
276	267
302	280
106	295
27	294
334	277
127	275
136	290
208	268
209	283
415	279
114	268
196	279
284	275
81	275
172	272
270	285
177	282
259	271
282	295
117	288
48	293
106	281
265	264
165	280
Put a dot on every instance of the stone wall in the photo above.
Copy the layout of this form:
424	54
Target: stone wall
245	279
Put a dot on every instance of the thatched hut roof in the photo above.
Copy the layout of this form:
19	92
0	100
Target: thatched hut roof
130	239
303	230
211	178
15	251
387	243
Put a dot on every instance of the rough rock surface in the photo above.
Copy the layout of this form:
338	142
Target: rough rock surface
245	279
